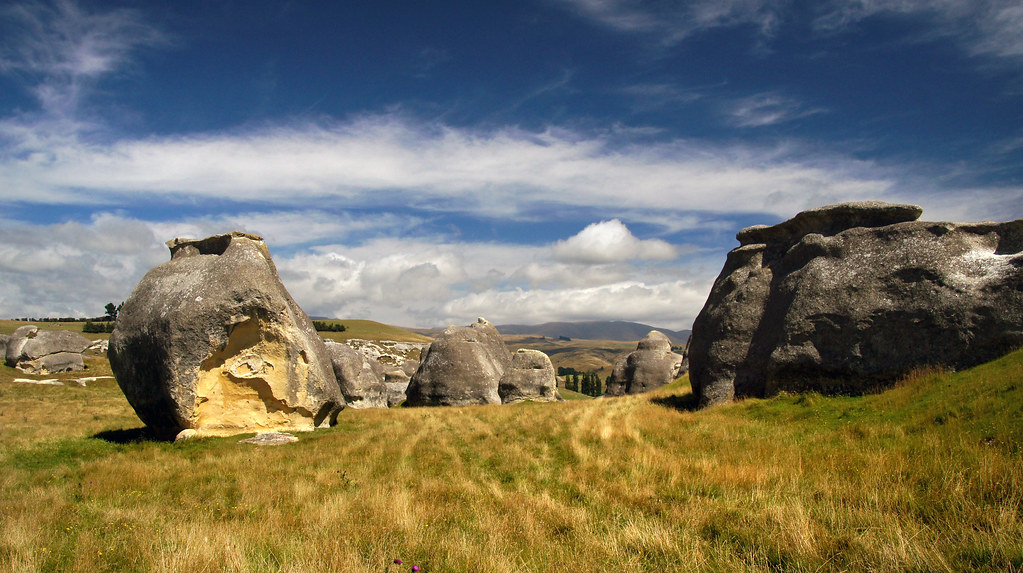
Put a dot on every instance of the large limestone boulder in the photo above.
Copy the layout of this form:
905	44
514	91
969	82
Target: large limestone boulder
462	367
360	378
530	377
650	366
850	297
4	338
212	341
36	351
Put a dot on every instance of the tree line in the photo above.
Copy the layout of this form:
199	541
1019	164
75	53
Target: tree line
587	383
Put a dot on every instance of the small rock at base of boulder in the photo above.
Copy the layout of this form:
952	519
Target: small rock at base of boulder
531	377
651	366
270	439
462	367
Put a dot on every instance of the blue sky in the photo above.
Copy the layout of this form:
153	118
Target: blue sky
424	163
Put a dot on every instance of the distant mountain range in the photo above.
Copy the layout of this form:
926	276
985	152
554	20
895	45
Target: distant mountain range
594	330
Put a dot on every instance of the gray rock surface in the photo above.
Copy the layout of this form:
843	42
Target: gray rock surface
270	439
463	366
849	298
650	366
530	377
361	379
4	338
36	351
396	382
212	341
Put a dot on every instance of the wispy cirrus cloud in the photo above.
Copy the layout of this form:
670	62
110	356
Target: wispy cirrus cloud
990	27
388	159
61	49
765	109
673	22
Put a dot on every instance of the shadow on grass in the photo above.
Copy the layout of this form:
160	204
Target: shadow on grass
682	402
131	436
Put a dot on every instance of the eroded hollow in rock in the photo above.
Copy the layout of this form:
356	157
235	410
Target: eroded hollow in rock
243	385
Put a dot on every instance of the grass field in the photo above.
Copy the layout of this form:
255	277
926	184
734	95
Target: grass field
371	330
924	477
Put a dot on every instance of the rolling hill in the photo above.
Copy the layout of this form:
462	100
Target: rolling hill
594	330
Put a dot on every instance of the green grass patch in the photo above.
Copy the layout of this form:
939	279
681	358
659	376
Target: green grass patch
371	330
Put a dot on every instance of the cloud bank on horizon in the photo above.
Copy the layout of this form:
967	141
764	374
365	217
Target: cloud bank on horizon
424	165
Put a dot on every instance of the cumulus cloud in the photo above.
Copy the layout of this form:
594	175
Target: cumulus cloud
73	269
610	242
670	304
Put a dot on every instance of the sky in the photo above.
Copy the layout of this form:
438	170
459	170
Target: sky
424	163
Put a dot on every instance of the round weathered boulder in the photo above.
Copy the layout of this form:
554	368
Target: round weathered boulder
212	341
361	380
36	351
462	367
849	298
531	377
650	366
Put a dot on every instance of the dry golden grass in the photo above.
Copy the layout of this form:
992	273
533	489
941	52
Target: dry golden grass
924	477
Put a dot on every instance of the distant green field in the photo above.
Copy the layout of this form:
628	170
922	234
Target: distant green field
371	330
927	476
9	326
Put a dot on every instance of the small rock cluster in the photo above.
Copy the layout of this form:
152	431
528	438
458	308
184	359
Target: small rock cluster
470	365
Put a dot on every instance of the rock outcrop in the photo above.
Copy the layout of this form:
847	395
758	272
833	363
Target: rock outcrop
463	366
36	351
848	298
650	366
212	341
360	378
530	377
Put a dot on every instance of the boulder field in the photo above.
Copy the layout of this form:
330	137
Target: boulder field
851	297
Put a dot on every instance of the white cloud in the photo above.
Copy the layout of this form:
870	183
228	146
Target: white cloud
670	305
73	269
65	48
764	109
991	27
390	160
675	21
610	242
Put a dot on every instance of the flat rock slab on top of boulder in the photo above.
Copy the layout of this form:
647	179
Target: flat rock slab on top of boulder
848	298
463	366
530	377
651	366
37	351
212	341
